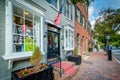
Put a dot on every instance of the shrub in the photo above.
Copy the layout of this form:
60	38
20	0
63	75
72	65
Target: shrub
75	51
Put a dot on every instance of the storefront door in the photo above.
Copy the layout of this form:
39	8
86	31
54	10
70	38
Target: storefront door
53	42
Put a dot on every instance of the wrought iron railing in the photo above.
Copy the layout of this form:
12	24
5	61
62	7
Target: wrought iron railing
55	61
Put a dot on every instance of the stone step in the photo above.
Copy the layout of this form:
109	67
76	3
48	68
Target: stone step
69	69
72	71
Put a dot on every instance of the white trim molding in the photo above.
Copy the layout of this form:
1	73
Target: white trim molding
9	54
68	28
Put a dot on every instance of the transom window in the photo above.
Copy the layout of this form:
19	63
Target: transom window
25	29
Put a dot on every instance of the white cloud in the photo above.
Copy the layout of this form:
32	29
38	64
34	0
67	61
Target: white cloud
92	18
90	12
92	24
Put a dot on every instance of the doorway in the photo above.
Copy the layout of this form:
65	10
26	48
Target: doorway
53	43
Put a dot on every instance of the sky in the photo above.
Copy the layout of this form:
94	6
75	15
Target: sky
95	7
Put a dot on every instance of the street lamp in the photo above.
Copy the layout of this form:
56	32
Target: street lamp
108	37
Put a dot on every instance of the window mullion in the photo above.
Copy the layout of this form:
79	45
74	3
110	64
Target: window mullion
24	33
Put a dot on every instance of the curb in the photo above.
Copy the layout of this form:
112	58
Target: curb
116	59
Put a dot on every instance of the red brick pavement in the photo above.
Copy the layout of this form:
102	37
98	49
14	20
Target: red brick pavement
98	67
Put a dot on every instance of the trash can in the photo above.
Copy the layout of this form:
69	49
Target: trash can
110	53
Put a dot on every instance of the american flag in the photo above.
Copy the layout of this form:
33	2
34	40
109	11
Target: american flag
58	17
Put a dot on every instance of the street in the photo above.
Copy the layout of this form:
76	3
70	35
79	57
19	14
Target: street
116	54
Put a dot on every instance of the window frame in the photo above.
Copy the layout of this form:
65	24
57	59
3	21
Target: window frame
69	41
79	16
9	54
68	8
52	4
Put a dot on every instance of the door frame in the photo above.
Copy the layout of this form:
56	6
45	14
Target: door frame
55	32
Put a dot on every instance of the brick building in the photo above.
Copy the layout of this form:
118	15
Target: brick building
82	28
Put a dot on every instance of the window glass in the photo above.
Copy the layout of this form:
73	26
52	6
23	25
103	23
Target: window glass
28	15
83	22
24	36
66	38
49	39
55	41
71	12
75	12
72	39
17	11
69	38
18	20
54	3
68	9
78	15
81	18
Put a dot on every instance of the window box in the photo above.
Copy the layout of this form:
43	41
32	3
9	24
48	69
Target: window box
45	74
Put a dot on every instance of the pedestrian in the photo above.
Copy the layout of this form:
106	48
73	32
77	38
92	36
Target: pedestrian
109	48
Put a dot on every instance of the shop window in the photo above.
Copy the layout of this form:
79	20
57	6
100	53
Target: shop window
25	29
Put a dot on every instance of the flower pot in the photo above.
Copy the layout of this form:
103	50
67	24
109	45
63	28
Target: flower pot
45	74
76	59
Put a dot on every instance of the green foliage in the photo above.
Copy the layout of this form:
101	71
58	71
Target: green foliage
36	57
29	43
75	51
76	1
96	47
81	1
90	49
115	40
105	28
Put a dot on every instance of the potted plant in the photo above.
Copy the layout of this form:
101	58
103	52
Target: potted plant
75	57
37	70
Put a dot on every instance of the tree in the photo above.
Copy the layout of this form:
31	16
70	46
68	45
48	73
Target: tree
108	24
81	1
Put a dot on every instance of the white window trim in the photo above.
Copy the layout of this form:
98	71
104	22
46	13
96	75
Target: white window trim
69	15
57	9
68	28
9	54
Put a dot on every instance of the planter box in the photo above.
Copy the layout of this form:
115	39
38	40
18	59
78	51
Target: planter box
77	59
46	74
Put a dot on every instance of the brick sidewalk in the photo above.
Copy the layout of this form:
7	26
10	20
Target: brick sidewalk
97	67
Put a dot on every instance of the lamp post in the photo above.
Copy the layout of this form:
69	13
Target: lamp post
108	37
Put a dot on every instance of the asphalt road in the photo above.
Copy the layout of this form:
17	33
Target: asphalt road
116	54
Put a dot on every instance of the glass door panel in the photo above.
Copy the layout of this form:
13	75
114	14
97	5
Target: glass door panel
53	43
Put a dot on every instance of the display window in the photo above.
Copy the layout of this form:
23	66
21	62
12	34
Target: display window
25	28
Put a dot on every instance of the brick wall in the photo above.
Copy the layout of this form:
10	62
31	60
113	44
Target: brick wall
79	29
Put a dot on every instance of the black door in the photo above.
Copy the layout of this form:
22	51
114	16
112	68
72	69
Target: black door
53	43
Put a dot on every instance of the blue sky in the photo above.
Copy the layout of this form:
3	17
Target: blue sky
95	7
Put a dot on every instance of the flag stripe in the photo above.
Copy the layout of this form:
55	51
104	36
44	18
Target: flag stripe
58	17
